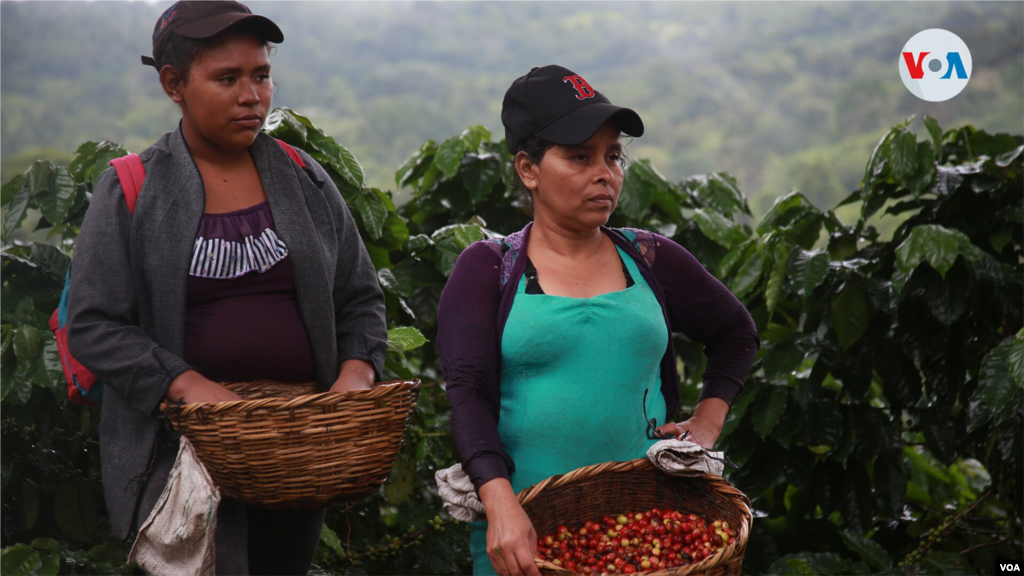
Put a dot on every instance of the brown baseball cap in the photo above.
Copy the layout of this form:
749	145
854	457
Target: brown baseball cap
202	19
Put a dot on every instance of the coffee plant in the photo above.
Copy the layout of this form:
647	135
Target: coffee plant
879	431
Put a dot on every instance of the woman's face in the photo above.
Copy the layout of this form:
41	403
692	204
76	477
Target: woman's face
577	187
228	92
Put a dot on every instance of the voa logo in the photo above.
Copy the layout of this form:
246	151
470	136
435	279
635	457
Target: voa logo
1009	567
935	65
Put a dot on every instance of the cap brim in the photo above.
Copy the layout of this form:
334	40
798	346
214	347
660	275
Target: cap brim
217	23
581	124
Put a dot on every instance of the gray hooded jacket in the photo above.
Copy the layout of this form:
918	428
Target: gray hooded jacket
129	293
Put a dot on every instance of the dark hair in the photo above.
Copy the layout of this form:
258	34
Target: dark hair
535	148
180	52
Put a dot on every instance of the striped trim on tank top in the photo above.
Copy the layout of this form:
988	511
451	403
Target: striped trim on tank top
224	259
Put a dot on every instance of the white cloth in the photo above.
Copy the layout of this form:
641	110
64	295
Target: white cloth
458	494
685	458
673	457
178	536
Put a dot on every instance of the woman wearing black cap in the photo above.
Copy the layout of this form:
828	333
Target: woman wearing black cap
556	340
238	263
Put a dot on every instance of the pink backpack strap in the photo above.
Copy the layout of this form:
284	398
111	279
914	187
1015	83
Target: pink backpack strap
291	153
131	173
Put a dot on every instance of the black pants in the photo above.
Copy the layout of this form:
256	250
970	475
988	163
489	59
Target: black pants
249	540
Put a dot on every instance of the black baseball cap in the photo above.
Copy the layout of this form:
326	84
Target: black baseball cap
559	106
202	19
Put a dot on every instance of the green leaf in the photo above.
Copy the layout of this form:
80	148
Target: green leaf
428	179
877	162
785	211
748	276
50	260
767	415
815	271
814	564
870	551
299	130
28	343
480	174
924	176
776	281
414	166
58	197
81	160
733	258
1007	158
75	509
20	196
996	384
718	228
50	565
399	487
418	242
473	136
372	212
739	408
18	560
903	155
852	314
449	155
936	134
637	191
6	344
721	191
1000	237
450	241
404	339
928	242
46	544
330	539
105	152
8	190
1016	359
54	369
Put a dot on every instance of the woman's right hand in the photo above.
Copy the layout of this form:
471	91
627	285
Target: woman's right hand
511	539
191	387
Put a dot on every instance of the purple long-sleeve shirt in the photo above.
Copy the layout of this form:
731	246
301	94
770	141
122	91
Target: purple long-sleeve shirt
477	300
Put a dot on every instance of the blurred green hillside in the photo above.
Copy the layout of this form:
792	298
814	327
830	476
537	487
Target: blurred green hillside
782	95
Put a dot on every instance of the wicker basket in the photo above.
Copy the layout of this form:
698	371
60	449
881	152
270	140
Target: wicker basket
612	488
285	446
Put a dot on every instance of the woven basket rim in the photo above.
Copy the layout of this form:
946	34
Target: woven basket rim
316	399
719	483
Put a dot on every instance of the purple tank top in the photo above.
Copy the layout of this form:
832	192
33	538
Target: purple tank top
243	320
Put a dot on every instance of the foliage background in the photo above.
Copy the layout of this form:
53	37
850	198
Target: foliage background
881	428
778	94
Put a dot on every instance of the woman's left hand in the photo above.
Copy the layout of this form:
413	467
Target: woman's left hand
354	375
704	426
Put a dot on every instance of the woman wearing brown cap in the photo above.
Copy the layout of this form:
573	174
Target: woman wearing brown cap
556	340
239	262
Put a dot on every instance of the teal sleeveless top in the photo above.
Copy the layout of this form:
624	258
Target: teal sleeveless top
574	372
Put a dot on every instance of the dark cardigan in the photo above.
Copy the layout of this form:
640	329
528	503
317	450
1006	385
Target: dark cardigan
126	314
477	300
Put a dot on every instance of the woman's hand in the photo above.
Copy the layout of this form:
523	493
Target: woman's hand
191	387
704	426
354	375
511	539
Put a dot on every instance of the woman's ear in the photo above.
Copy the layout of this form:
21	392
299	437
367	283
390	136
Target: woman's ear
172	82
528	172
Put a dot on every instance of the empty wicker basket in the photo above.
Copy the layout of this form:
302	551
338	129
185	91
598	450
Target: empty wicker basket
612	488
286	446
